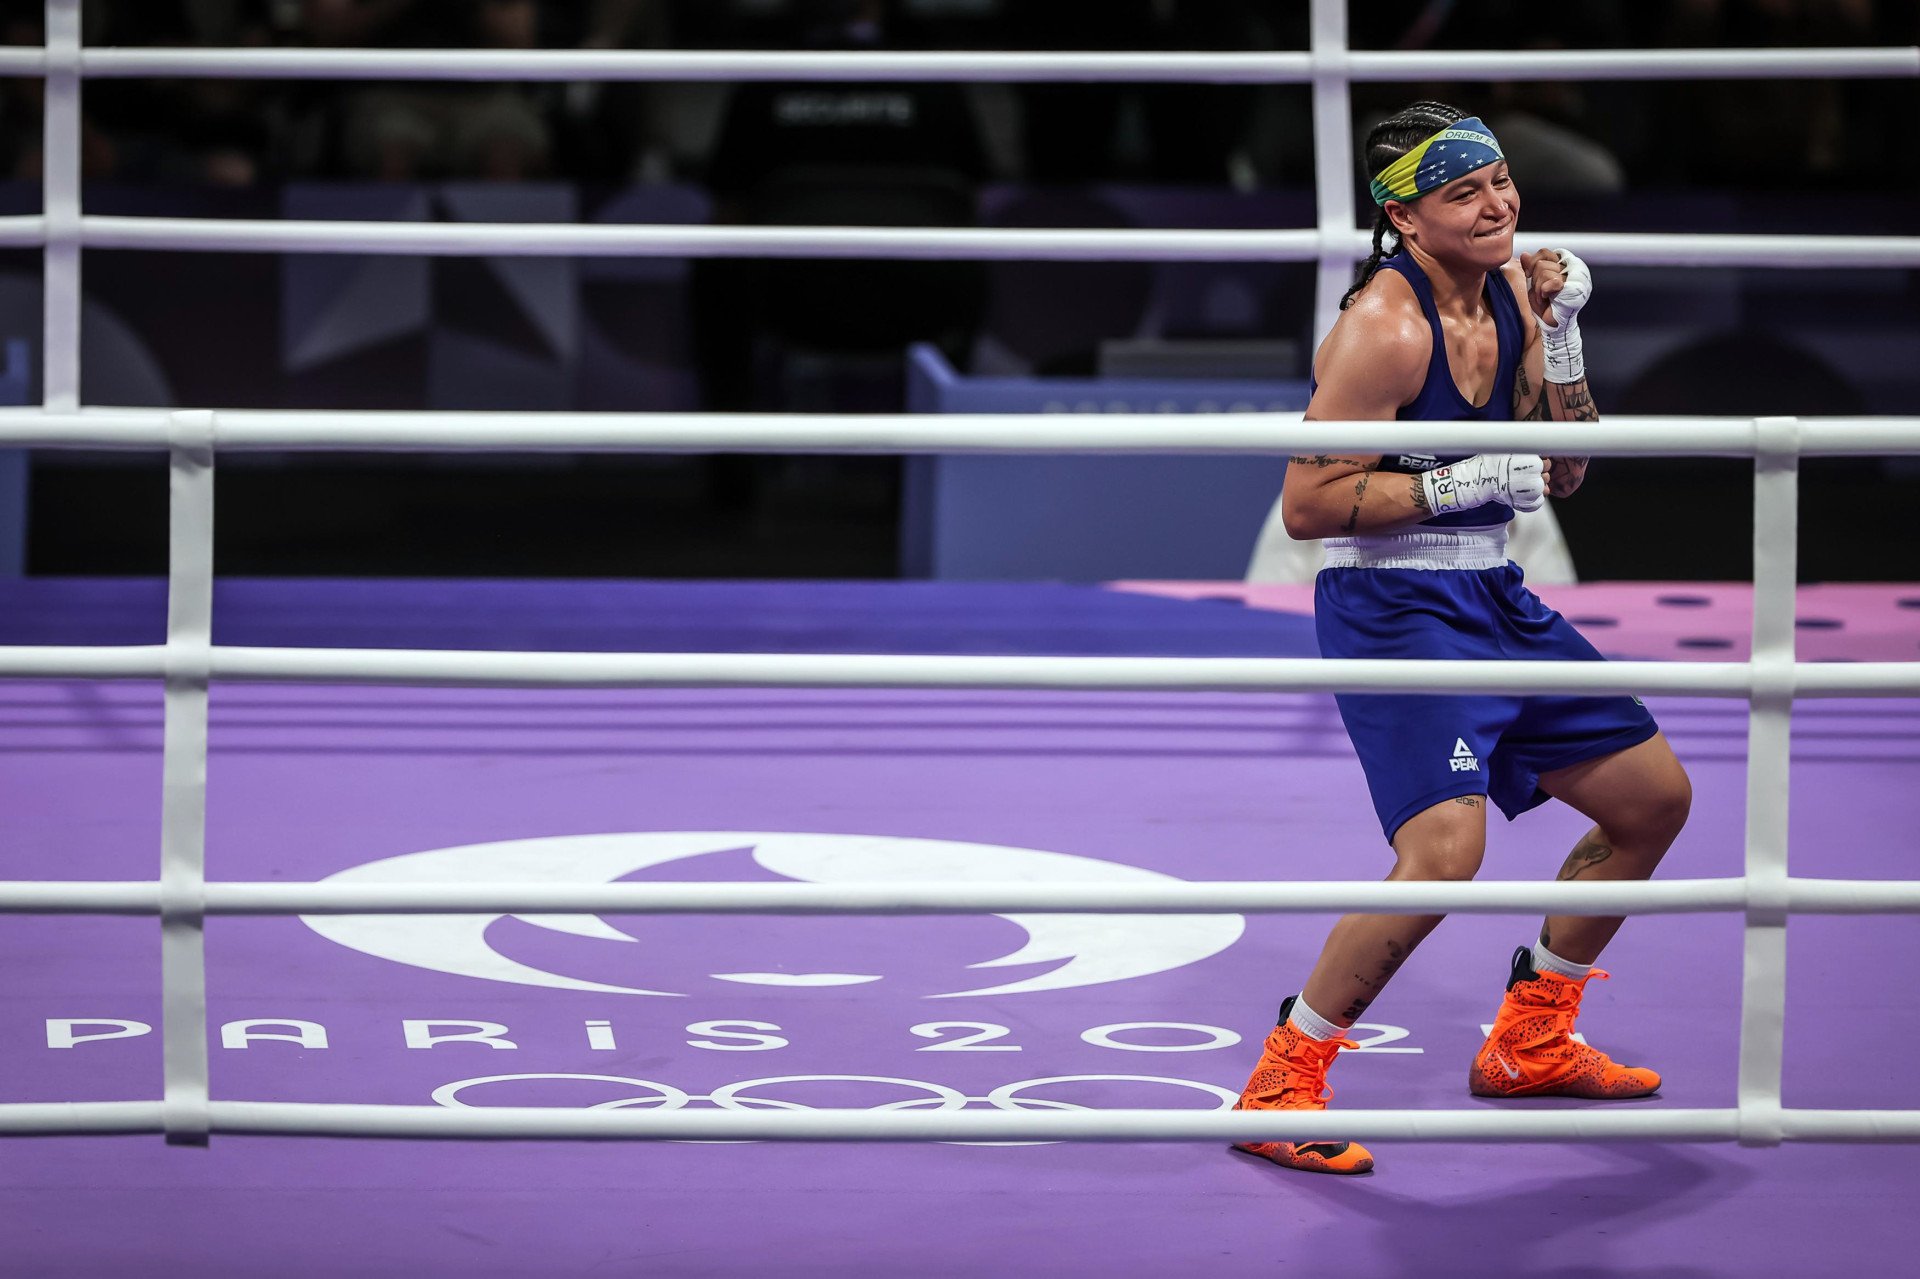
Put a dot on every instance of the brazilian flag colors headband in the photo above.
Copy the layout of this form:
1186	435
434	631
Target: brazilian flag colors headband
1455	151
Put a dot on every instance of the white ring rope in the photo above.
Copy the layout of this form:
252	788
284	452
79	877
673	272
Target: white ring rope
1765	892
1490	897
335	1119
1173	67
471	668
1274	434
517	239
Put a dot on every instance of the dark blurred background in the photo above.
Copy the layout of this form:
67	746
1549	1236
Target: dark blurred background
1808	156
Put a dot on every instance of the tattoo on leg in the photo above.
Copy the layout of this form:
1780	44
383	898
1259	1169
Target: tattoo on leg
1359	492
1546	938
1471	801
1354	1009
1587	854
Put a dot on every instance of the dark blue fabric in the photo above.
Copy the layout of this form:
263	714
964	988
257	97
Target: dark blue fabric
1440	399
1411	746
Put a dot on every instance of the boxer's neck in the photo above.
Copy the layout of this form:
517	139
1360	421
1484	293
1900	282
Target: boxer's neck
1458	290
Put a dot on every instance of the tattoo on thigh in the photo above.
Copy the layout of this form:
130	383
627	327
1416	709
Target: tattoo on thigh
1587	854
1471	801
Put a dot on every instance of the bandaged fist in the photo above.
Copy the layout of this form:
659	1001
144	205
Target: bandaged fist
1558	285
1518	480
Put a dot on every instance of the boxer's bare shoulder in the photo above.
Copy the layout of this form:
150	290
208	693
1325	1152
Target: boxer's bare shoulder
1377	353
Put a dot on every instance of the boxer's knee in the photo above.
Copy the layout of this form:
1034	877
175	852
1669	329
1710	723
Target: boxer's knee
1447	841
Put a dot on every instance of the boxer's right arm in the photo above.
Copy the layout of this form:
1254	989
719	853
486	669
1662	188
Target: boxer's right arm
1374	361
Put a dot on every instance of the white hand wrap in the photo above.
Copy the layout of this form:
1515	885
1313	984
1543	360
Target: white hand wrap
1560	327
1512	479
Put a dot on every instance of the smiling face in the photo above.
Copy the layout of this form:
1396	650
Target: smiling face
1469	221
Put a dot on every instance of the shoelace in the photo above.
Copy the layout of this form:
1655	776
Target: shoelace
1560	1016
1315	1086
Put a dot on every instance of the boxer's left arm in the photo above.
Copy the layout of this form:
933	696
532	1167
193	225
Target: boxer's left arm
1551	382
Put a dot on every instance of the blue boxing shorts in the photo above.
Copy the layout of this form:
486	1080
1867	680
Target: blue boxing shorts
1419	750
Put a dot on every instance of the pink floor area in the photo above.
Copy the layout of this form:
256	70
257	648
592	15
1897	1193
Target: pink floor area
1669	621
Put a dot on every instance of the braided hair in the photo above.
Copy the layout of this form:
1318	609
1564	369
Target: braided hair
1387	141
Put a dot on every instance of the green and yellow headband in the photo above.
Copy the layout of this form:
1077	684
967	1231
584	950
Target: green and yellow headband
1455	151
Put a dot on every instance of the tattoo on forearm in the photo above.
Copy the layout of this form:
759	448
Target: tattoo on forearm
1587	854
1359	493
1576	402
1537	412
1322	460
1521	387
1420	502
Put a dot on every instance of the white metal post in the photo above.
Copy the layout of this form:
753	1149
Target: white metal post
183	818
1332	163
60	202
1763	994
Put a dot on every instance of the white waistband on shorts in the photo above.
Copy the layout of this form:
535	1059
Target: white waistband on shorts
1422	548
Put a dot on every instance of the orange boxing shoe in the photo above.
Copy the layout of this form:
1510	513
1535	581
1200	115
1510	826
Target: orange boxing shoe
1531	1051
1292	1075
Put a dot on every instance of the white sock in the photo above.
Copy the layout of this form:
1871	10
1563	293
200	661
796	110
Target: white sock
1545	961
1312	1024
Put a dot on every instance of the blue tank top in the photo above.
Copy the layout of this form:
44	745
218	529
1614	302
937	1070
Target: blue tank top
1440	399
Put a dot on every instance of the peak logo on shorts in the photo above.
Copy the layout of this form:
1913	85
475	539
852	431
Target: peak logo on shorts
1464	760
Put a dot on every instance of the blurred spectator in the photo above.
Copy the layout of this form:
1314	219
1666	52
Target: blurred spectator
818	154
403	133
1081	132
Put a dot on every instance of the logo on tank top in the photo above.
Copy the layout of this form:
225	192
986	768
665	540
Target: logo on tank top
1418	461
1464	760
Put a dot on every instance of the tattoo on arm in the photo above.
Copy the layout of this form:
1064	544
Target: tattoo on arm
1420	502
1320	461
1576	402
1359	492
1587	854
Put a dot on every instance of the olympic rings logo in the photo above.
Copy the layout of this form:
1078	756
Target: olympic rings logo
650	1094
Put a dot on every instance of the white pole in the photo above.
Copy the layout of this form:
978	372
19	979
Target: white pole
183	817
1332	164
1763	995
60	159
